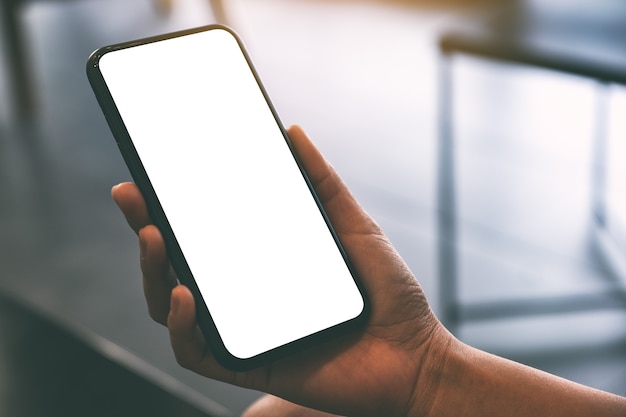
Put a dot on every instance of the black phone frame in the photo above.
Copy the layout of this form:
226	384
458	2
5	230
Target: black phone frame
157	214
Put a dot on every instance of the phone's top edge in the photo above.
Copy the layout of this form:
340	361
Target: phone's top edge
94	58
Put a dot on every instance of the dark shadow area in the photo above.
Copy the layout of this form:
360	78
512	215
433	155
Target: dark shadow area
47	370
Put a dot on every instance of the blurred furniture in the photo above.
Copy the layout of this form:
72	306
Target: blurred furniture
165	6
21	86
23	96
587	40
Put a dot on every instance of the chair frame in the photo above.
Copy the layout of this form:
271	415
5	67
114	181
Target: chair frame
491	48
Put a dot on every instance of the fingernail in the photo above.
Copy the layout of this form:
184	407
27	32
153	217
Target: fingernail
115	187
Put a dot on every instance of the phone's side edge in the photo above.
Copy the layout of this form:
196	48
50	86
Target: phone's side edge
132	160
367	306
137	172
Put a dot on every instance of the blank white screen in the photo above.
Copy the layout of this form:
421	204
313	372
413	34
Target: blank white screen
255	241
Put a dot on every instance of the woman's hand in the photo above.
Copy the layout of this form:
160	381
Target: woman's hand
403	363
385	369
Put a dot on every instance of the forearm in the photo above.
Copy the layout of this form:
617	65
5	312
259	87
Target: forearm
475	383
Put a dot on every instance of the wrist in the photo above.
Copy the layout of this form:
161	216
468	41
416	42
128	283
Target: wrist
433	373
463	381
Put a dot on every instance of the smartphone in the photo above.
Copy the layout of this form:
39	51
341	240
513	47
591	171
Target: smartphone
243	227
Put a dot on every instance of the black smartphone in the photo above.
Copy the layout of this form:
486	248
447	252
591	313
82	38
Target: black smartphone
243	227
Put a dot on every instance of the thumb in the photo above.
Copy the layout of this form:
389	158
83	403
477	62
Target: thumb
345	213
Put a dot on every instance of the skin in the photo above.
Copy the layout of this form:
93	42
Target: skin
404	363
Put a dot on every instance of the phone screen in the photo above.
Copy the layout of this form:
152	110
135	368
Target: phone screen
265	261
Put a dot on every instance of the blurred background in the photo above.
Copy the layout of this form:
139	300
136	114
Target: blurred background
487	138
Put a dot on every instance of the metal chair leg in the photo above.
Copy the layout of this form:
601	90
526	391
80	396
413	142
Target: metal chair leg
599	162
446	202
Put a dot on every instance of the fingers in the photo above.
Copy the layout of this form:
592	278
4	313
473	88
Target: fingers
158	278
129	199
173	305
187	340
185	336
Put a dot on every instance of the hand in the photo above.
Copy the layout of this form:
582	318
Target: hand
373	372
403	363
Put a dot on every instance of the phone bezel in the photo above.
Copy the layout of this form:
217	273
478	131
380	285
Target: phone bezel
139	175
